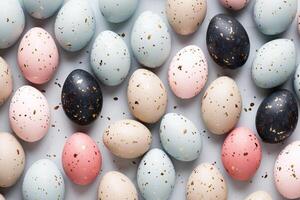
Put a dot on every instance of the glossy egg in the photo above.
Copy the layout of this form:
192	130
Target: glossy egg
110	58
150	40
277	116
75	25
86	107
227	42
259	195
234	4
156	175
180	137
297	81
274	17
12	160
147	96
206	182
38	56
221	105
188	72
241	154
6	81
43	180
29	114
42	9
185	17
81	159
274	63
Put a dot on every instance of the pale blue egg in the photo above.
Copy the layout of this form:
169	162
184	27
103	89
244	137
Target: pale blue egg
21	2
297	81
42	9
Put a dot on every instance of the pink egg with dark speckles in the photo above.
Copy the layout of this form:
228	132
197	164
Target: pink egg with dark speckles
234	4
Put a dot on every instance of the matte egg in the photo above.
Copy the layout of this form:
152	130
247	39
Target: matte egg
188	72
81	159
29	114
86	107
147	96
6	81
150	40
221	105
38	56
234	4
42	9
277	116
259	195
297	81
2	197
12	160
227	41
299	23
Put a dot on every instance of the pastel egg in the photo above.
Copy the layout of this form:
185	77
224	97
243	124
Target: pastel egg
299	23
188	72
206	182
234	4
110	58
186	16
150	40
38	56
29	114
221	105
6	81
259	195
74	25
147	96
297	82
274	63
42	9
241	154
81	159
2	197
43	180
12	160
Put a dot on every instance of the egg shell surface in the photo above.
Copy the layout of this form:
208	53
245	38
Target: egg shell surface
2	197
297	81
6	81
234	4
259	195
42	9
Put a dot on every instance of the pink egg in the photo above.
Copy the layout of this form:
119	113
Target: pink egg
38	56
81	159
241	154
188	72
234	4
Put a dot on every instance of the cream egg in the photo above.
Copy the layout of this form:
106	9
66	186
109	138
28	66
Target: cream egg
6	81
259	195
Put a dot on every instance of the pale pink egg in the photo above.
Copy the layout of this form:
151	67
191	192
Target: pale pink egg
38	56
234	4
241	154
81	159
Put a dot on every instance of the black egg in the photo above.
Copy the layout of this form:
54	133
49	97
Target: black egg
277	116
81	97
227	42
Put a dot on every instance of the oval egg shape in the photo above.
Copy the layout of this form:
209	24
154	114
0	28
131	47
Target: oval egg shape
259	195
6	81
235	5
42	9
297	81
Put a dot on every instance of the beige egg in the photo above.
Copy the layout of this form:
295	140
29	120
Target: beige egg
259	195
12	160
127	138
2	197
147	96
6	81
221	105
206	183
186	16
116	186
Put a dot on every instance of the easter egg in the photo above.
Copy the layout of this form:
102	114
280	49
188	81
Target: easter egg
6	81
297	81
234	4
259	195
42	9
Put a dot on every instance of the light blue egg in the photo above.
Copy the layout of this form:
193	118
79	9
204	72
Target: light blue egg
21	2
43	180
110	58
274	63
75	25
42	9
12	22
297	81
117	11
273	17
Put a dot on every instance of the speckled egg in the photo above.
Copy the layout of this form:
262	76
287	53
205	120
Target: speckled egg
81	159
75	25
110	58
185	17
259	195
274	17
241	154
6	81
277	116
297	81
43	180
147	96
227	42
221	105
42	9
188	72
299	23
116	186
156	175
127	138
150	40
29	114
12	22
86	107
12	160
180	137
234	4
206	182
38	56
274	63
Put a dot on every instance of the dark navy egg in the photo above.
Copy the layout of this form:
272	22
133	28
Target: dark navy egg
81	97
277	116
227	42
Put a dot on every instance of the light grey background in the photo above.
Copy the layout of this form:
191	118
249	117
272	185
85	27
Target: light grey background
51	146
